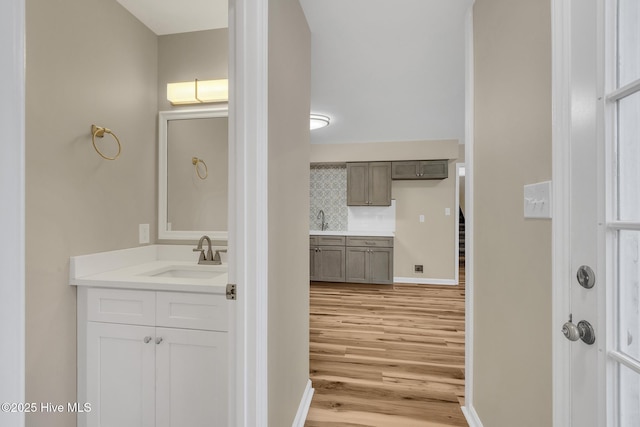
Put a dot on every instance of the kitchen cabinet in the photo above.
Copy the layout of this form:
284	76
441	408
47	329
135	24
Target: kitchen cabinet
420	169
327	258
151	358
369	184
353	259
369	260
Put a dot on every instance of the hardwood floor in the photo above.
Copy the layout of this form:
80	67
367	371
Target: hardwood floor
387	355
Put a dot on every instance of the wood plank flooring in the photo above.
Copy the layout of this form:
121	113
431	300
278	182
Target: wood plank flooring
387	355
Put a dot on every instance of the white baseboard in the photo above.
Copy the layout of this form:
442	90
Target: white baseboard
472	416
419	281
303	409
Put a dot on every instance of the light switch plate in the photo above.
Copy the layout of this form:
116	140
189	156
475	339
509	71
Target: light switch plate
143	233
537	200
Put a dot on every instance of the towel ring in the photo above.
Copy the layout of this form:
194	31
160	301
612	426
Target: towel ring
195	161
99	132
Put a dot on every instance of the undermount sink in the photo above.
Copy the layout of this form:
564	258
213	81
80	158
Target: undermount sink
188	272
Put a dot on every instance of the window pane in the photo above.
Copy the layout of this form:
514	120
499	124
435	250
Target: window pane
629	292
628	46
629	397
629	158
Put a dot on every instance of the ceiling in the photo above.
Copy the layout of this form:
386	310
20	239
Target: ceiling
382	70
171	16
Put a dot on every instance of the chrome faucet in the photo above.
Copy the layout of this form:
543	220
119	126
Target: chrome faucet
208	257
323	225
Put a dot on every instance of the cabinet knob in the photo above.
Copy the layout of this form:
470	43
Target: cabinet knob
158	340
147	340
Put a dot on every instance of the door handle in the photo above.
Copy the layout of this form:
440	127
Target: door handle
583	330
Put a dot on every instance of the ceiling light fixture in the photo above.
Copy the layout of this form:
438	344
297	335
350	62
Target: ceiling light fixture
198	92
318	121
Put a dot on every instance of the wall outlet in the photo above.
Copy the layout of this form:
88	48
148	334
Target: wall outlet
418	268
447	211
421	218
143	233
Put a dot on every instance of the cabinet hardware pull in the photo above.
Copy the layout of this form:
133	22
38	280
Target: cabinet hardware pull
158	340
147	340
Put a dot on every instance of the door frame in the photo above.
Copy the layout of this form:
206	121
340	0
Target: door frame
12	216
560	225
248	226
468	409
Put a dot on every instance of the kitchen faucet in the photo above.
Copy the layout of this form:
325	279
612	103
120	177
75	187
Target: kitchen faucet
323	225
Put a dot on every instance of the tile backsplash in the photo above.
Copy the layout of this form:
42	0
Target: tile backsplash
329	193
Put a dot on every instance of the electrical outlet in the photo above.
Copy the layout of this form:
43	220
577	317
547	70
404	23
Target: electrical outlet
418	268
143	233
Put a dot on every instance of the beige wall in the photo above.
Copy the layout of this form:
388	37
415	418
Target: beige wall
432	242
202	55
289	100
512	305
87	61
384	151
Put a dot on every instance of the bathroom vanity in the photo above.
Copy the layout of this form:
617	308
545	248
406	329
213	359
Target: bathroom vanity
152	338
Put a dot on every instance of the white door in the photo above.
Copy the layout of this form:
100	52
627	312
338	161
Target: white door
597	379
191	378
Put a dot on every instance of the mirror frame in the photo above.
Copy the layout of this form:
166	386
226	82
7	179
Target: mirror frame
163	203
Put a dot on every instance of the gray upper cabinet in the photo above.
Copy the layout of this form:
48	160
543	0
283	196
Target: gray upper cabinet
369	184
420	169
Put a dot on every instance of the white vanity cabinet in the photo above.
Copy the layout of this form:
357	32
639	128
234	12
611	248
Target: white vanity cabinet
152	358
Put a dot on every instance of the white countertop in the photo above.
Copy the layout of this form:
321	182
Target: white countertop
380	233
135	268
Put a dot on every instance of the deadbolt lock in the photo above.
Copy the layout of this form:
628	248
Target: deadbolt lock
586	277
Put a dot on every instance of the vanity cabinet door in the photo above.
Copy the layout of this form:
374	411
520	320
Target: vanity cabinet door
191	378
120	376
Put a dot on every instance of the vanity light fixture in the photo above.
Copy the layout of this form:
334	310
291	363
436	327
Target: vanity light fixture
198	92
318	121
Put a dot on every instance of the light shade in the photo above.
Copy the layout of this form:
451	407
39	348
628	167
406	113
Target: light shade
198	92
318	121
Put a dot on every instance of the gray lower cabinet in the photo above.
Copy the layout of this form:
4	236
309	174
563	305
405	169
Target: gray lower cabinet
369	260
420	169
353	259
327	258
369	184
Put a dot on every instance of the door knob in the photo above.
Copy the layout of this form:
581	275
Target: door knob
583	330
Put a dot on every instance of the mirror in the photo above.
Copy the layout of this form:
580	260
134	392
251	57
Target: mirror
193	173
